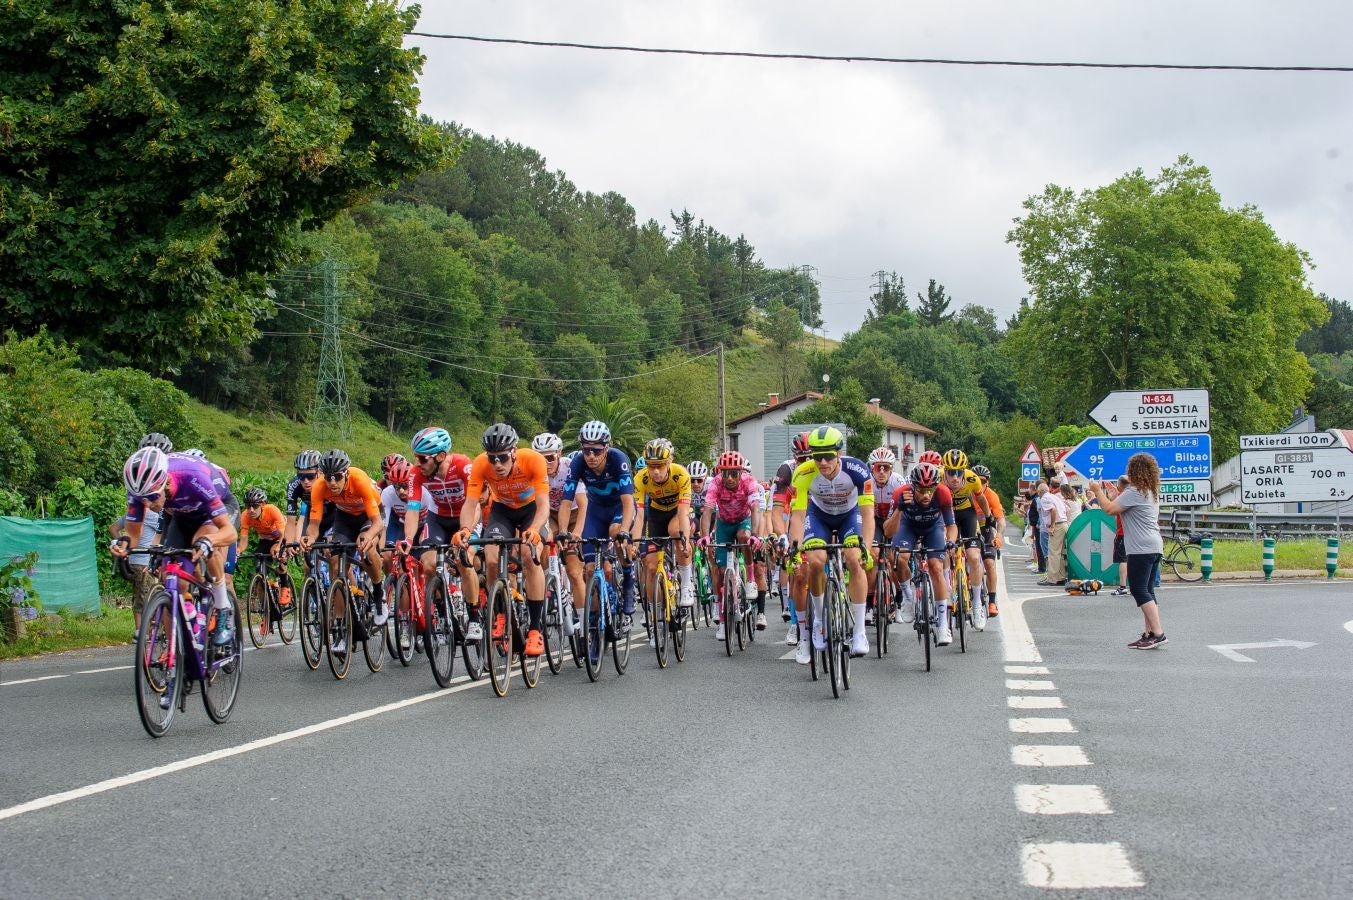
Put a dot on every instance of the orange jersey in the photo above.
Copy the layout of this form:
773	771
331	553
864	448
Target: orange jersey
359	495
267	525
527	481
997	511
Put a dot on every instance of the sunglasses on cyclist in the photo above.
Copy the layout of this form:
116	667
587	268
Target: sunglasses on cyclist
594	451
697	483
953	472
825	456
882	467
550	457
335	478
500	458
425	457
306	476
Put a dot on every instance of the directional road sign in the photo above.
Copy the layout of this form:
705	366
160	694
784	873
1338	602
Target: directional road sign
1289	476
1179	456
1172	411
1288	441
1186	492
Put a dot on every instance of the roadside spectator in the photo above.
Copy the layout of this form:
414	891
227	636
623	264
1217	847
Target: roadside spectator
1073	503
142	578
1052	518
1119	553
1139	507
1040	538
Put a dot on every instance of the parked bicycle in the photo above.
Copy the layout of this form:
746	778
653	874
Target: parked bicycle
1183	554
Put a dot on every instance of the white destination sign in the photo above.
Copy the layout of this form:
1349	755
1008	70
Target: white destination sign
1287	441
1289	476
1172	411
1186	492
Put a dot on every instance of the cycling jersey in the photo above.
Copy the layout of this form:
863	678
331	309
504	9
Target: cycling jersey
358	497
394	508
606	487
557	482
782	485
940	507
298	494
522	485
666	496
737	504
972	486
448	491
994	504
851	487
883	494
189	493
267	524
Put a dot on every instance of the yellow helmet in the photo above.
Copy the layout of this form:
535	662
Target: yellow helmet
955	459
658	450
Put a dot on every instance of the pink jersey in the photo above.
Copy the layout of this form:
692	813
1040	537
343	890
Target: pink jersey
737	504
448	494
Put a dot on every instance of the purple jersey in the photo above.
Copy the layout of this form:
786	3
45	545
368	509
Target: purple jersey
191	492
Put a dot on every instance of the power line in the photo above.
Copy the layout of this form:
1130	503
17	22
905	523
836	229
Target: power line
900	60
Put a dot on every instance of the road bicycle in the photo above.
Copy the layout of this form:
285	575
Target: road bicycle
925	619
350	612
838	622
270	604
885	598
446	620
736	612
313	608
960	603
174	649
509	616
664	617
559	613
704	593
1184	555
601	610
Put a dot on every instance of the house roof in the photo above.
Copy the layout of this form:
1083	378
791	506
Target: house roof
890	419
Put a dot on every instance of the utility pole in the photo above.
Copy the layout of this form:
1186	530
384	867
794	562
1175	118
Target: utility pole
806	301
330	418
723	417
879	286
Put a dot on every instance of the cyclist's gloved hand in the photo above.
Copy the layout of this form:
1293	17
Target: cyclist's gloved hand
531	536
202	548
868	558
784	543
461	538
403	546
622	536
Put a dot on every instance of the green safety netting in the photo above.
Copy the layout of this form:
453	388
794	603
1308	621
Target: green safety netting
67	574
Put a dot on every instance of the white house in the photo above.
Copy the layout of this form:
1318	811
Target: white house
763	437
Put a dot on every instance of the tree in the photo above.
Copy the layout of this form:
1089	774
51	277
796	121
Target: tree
845	404
933	307
1152	283
1336	335
889	297
630	428
1331	402
781	326
679	400
160	159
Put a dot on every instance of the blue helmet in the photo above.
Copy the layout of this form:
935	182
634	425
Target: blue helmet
640	463
431	441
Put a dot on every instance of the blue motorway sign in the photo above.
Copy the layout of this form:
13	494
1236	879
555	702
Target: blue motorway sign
1030	471
1179	455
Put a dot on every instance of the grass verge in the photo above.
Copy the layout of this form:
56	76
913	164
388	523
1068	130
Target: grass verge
1248	556
52	634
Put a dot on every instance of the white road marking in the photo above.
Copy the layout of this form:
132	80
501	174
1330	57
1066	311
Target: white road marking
1019	702
789	655
1016	640
1017	684
1348	626
1061	800
1048	755
1042	726
31	680
1077	866
1029	670
107	669
1229	650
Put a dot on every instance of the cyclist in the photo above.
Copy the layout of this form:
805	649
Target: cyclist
391	460
605	508
662	494
781	493
699	473
298	495
993	530
265	520
520	489
923	509
446	477
394	506
356	518
882	468
731	503
551	447
157	440
970	506
180	488
833	494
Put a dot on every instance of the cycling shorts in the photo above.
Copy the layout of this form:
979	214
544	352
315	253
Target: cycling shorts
506	522
348	525
440	529
658	522
598	524
910	535
988	541
821	527
394	532
966	520
727	533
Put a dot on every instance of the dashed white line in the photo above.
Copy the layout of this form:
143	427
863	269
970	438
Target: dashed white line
1048	755
1035	702
1020	684
1027	670
1061	800
1042	726
1071	866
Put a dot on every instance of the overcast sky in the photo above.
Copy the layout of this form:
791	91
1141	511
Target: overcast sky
857	167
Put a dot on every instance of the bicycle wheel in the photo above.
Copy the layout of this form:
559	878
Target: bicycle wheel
575	642
677	629
474	654
439	635
501	626
727	613
961	601
225	665
388	592
530	665
831	614
286	613
552	626
620	641
312	615
338	629
401	620
925	616
657	615
158	664
377	636
594	631
1186	561
882	591
256	610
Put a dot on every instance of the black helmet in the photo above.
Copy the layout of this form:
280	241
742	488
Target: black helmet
335	462
255	497
307	459
982	472
158	441
499	438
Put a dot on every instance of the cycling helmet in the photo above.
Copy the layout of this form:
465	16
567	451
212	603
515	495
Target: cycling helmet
194	453
825	437
398	473
145	472
698	469
548	442
800	445
639	463
658	450
882	455
390	462
499	438
924	475
255	497
955	459
307	459
335	462
731	459
982	472
158	441
931	457
431	441
594	432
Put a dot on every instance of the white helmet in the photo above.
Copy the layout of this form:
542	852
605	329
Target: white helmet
595	432
697	469
145	472
548	442
883	455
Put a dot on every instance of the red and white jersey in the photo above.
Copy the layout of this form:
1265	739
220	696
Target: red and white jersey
448	491
883	494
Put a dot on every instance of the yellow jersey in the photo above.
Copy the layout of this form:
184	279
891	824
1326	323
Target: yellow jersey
972	487
666	496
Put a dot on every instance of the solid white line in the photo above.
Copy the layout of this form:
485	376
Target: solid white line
31	680
1016	640
1348	626
248	649
789	655
1019	702
1047	756
1042	726
1017	684
1071	866
1061	800
1027	670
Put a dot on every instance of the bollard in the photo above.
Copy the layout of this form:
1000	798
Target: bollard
1268	558
1207	559
1332	555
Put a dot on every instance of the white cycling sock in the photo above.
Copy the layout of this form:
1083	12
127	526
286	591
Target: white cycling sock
220	599
803	627
857	609
816	600
687	578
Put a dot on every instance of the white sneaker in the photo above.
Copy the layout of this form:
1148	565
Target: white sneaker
718	632
381	616
802	655
568	625
869	617
944	637
906	613
819	639
340	647
751	590
687	599
760	621
859	645
473	632
793	637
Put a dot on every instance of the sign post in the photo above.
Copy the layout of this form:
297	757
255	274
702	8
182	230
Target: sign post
1183	456
1172	411
1030	463
1290	468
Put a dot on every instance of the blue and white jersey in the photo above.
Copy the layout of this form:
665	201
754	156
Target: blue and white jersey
604	488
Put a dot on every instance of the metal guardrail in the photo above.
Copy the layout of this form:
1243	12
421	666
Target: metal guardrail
1252	525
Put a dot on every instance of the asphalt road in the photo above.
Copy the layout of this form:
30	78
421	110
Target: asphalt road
1206	776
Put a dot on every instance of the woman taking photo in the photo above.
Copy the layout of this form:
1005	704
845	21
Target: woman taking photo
1139	507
